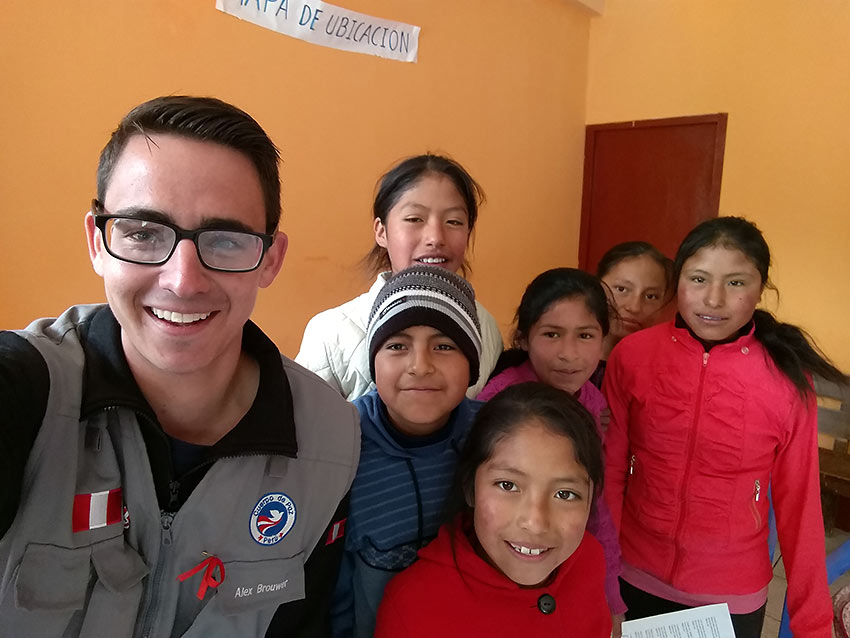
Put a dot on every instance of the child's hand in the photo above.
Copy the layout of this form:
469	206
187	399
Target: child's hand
616	620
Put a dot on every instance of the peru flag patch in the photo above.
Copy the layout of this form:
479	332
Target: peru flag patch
96	509
336	531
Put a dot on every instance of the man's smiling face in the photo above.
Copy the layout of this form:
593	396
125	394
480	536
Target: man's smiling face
181	317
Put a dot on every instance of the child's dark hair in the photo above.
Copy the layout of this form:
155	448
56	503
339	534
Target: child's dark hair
509	410
404	176
546	289
790	347
632	249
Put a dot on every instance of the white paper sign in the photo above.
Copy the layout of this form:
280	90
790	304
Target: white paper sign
328	25
710	621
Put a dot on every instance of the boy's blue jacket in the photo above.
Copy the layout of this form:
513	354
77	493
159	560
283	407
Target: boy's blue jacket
397	505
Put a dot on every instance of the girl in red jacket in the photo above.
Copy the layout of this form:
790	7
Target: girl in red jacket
707	411
516	560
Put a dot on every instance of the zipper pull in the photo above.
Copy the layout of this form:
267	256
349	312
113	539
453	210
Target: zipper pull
166	521
173	494
758	490
704	359
632	464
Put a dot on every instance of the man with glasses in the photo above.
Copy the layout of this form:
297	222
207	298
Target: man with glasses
163	469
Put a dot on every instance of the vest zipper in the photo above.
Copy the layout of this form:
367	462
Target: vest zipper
152	603
145	622
683	498
632	464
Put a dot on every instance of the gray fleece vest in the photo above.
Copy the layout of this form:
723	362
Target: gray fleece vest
80	561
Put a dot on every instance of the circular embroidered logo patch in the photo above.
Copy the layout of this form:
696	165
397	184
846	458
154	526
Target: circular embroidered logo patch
272	518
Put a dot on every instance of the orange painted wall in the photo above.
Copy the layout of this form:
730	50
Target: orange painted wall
499	85
782	72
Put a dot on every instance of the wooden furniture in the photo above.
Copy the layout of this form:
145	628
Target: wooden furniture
833	445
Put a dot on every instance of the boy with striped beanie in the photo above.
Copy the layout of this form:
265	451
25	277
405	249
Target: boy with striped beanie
424	344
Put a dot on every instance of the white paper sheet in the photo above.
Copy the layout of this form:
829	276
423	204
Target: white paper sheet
709	621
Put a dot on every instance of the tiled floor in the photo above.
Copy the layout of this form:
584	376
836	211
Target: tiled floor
776	593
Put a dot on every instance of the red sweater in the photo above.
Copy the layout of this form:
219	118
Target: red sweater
449	594
694	440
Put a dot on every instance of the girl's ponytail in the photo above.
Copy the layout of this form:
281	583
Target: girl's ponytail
793	352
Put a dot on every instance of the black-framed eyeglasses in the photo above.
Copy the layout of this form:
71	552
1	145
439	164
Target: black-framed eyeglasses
143	241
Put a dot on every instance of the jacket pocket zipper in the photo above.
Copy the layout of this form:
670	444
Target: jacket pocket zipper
753	506
632	464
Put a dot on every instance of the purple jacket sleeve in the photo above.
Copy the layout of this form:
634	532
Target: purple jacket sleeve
602	527
600	523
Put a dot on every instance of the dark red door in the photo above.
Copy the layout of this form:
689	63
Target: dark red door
651	180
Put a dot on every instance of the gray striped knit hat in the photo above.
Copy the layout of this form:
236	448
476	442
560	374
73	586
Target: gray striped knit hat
426	296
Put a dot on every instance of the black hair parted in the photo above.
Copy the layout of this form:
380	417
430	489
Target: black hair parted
734	233
510	410
404	176
553	285
792	349
201	118
546	289
630	250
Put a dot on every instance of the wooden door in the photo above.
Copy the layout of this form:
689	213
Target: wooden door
651	180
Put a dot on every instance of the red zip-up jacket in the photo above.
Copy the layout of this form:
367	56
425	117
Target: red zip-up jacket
694	441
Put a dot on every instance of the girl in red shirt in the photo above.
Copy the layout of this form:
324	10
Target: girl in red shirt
516	560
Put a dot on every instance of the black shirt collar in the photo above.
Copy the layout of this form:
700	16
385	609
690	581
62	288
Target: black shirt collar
267	428
746	329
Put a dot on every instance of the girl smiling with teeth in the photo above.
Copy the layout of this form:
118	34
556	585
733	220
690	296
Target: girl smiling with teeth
424	213
708	412
561	323
516	559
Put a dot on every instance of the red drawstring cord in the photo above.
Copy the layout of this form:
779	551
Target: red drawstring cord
211	563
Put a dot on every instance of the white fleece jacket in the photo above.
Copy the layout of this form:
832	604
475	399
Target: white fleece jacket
334	345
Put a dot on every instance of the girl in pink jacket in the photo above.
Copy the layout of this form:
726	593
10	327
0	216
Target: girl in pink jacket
707	412
561	325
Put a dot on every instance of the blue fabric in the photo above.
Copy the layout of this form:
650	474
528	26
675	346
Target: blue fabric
186	456
397	502
837	564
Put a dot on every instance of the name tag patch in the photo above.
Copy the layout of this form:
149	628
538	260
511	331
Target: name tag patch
260	588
